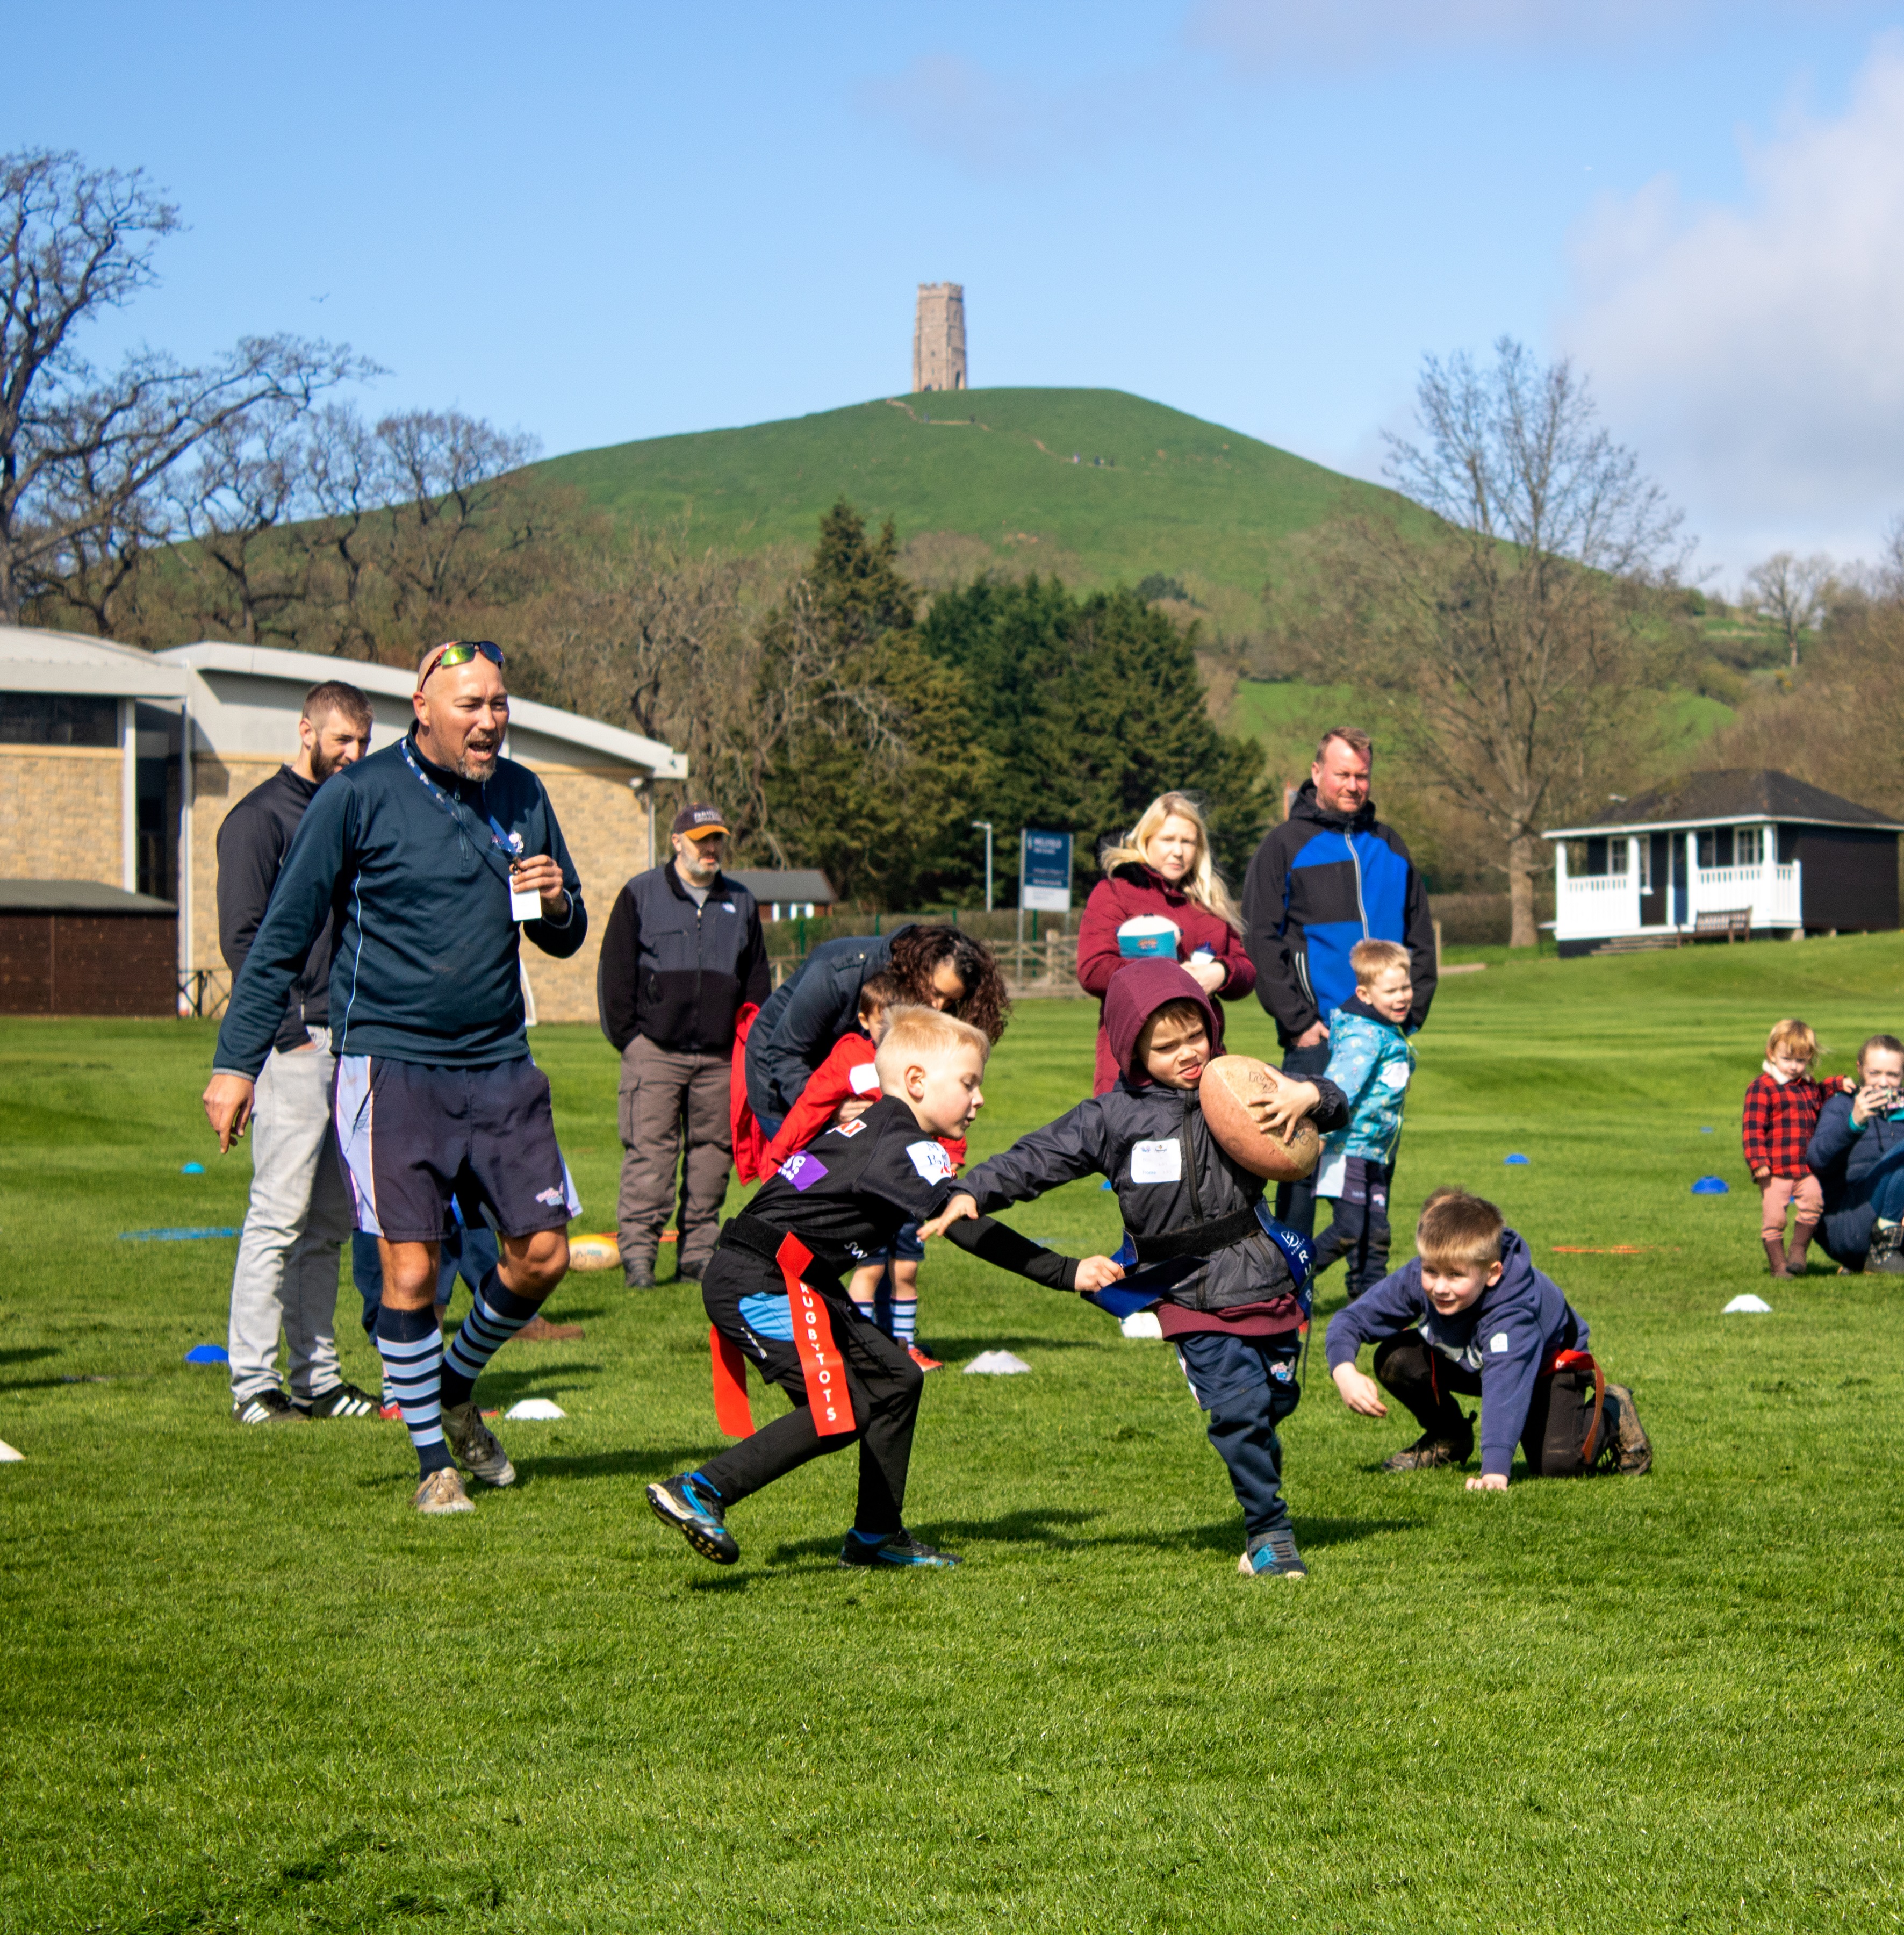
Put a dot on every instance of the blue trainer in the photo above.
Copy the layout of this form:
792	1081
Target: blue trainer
1273	1554
891	1548
692	1506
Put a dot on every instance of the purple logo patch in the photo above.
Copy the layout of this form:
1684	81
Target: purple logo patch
802	1170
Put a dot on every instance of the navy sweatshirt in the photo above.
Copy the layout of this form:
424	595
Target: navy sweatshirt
427	968
1506	1334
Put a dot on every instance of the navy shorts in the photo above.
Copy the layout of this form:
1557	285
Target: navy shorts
413	1137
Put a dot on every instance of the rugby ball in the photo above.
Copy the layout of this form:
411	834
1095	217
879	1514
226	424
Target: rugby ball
1229	1085
594	1253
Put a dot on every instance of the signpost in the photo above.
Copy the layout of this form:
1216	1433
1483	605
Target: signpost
1044	874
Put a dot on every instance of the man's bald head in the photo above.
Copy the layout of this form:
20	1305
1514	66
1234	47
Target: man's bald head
463	712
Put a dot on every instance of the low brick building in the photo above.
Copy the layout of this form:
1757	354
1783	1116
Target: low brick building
95	784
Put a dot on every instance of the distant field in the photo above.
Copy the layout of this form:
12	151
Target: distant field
248	1690
1153	489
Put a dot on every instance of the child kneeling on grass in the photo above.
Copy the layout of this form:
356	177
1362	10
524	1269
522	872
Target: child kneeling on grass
830	1207
1230	1285
1370	1061
845	1084
1472	1316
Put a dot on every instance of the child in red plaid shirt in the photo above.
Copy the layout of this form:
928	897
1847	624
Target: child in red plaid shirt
1781	1111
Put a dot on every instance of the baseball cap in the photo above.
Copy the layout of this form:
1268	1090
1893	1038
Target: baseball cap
698	822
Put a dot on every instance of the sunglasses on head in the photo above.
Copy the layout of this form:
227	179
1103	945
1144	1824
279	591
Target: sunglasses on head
461	652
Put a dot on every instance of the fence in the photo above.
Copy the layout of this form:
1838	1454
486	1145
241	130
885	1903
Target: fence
1046	967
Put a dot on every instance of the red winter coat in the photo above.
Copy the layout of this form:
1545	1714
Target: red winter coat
1132	889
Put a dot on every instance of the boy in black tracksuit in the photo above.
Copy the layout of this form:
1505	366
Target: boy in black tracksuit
1232	1291
775	1288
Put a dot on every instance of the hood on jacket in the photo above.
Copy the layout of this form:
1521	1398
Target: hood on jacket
1306	806
1142	873
1135	993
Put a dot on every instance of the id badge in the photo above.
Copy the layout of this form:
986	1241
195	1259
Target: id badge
525	906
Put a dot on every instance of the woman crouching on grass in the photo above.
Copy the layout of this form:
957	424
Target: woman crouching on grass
1162	867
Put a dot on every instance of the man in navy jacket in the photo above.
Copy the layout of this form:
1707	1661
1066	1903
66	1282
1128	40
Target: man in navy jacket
1332	874
1856	1152
436	854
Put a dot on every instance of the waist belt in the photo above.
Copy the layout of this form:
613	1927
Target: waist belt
761	1239
1197	1240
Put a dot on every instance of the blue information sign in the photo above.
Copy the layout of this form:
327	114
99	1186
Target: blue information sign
1045	871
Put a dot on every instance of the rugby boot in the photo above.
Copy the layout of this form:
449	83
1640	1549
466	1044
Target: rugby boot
693	1507
474	1446
1775	1254
1428	1450
441	1492
1273	1554
1802	1234
895	1549
1632	1449
924	1359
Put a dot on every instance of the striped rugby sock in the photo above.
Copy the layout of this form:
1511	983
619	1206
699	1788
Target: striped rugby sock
411	1348
496	1314
905	1319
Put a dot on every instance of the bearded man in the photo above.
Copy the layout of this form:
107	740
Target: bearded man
437	853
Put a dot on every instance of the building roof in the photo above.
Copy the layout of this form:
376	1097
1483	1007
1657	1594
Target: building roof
31	660
75	897
1729	797
221	664
795	884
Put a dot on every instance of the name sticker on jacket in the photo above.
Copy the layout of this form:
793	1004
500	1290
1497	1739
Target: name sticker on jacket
864	1080
930	1160
1157	1162
1499	1344
802	1170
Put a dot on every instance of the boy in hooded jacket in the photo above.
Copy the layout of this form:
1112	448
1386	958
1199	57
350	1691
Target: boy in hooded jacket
1472	1316
1230	1287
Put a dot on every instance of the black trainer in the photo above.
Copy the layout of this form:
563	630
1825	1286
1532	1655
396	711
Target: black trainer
1273	1556
693	1508
269	1406
343	1400
638	1276
897	1548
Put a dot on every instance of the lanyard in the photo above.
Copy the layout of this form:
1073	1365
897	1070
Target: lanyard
509	845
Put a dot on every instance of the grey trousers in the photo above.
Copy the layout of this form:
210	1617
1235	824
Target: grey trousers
299	1216
669	1100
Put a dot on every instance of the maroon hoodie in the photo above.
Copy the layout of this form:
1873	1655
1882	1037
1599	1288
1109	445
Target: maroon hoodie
1136	994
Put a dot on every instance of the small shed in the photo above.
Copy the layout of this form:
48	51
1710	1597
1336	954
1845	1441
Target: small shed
77	947
1730	854
785	893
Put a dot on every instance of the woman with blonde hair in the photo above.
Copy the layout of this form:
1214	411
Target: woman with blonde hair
1160	878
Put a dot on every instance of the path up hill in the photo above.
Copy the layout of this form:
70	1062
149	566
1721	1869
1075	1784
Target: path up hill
1100	486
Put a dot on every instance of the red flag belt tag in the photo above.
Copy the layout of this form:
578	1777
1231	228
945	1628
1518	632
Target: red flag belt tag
733	1412
827	1397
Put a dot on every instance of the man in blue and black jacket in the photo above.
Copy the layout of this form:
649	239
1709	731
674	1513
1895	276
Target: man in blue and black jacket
1330	875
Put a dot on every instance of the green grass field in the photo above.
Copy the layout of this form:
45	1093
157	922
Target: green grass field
1174	494
248	1689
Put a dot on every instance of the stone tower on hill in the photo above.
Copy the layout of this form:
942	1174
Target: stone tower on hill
939	337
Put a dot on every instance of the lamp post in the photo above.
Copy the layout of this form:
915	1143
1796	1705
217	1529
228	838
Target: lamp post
985	827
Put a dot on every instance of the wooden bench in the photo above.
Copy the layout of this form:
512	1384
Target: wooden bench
1733	923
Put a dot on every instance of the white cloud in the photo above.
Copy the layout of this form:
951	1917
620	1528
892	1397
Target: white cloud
1755	354
1271	34
954	107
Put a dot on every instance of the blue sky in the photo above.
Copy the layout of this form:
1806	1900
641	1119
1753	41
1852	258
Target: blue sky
599	223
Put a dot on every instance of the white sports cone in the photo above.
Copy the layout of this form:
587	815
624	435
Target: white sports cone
1747	1304
996	1364
9	1455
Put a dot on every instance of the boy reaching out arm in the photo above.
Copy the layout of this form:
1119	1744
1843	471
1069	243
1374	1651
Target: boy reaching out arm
832	1205
1471	1316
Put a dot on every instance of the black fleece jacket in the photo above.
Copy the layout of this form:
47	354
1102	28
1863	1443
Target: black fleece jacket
253	839
675	973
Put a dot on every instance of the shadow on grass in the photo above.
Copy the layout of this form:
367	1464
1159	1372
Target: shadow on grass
1051	1530
950	1350
28	1353
642	1463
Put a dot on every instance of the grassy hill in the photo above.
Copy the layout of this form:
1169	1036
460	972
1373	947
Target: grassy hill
1101	486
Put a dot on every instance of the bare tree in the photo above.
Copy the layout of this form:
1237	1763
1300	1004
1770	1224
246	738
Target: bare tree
1795	592
1503	635
78	451
347	484
446	477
